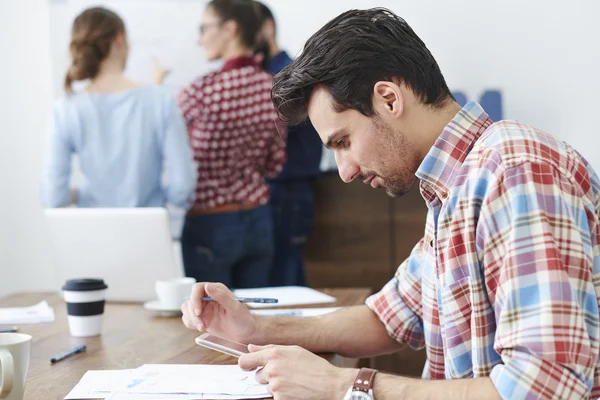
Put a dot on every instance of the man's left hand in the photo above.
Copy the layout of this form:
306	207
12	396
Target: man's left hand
295	373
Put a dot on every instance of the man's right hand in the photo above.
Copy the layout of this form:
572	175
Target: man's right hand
224	317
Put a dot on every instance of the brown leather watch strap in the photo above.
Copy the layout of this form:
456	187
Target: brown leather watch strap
364	380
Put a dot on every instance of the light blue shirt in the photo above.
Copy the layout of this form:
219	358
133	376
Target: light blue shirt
132	146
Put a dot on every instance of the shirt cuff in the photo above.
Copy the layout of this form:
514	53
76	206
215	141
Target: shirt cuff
524	376
401	323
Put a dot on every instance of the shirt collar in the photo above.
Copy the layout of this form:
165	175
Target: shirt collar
450	150
238	62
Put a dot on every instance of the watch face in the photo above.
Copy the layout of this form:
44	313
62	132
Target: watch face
358	395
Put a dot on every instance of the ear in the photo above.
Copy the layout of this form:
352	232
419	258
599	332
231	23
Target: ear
231	28
388	99
120	41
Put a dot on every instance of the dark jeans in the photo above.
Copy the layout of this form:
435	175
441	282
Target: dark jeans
233	248
293	213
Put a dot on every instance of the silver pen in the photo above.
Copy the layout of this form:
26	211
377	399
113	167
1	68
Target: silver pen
263	300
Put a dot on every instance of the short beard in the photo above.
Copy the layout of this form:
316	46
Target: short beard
398	188
400	183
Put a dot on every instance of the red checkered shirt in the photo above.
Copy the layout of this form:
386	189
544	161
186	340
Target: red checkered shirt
505	282
235	134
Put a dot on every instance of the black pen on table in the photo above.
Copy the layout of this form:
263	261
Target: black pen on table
73	351
10	329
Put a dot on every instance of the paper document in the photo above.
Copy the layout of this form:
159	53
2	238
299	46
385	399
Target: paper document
176	382
99	384
40	312
287	296
196	379
296	312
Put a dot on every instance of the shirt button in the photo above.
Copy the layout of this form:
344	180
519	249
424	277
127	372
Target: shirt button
445	195
431	243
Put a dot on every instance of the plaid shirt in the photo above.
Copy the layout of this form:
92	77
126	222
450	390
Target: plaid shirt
505	281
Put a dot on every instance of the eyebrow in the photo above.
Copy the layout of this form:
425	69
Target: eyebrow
332	137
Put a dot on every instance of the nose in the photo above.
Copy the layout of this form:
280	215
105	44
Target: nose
348	171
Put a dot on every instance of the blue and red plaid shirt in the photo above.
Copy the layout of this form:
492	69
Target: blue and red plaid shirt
505	282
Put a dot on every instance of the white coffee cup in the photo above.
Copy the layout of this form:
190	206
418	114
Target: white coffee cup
14	363
173	292
85	300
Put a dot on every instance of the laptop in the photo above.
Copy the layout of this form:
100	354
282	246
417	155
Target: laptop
130	248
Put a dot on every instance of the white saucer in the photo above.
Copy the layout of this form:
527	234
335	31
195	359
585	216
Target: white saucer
154	305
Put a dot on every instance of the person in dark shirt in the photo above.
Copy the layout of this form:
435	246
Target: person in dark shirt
292	197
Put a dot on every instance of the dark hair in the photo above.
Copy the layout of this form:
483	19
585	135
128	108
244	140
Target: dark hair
349	55
245	14
262	49
264	12
92	35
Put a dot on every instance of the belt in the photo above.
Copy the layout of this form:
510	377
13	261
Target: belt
224	208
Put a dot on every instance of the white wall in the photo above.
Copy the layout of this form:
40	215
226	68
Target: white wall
25	99
542	55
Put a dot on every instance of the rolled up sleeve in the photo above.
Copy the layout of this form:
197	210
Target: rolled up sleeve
398	304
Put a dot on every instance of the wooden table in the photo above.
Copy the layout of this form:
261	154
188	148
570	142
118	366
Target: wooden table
131	337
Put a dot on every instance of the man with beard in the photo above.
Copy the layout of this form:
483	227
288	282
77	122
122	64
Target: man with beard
502	290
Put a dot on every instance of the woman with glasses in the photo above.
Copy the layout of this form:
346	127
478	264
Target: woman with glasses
237	142
130	139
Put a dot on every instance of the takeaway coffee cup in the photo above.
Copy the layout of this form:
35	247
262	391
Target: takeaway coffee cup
85	300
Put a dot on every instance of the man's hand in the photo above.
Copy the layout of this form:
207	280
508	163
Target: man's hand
224	317
295	373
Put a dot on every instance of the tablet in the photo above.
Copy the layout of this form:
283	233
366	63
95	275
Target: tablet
226	346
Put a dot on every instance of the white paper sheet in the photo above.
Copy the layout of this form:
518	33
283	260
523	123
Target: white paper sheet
296	312
177	382
196	379
99	384
37	313
287	296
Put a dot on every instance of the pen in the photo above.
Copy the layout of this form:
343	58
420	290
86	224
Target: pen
9	330
249	300
73	351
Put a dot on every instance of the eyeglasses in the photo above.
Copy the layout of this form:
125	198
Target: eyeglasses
204	27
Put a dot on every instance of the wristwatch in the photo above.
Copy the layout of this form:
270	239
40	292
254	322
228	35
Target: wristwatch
362	389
